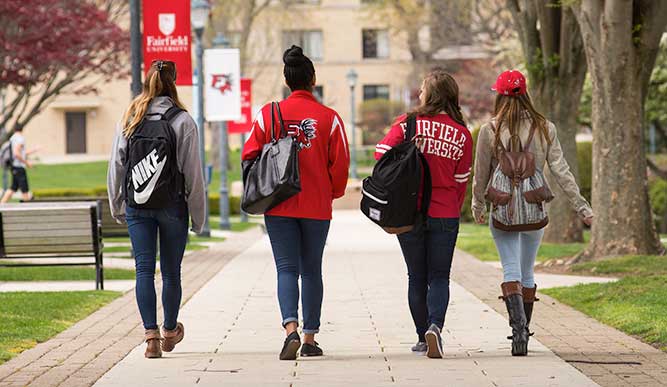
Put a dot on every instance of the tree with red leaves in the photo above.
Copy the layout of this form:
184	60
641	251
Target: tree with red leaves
51	47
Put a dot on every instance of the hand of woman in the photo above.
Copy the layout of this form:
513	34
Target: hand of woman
480	218
588	221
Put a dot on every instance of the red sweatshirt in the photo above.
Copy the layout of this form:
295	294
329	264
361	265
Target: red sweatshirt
324	159
448	151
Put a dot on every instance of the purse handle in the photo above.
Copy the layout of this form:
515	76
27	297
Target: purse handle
283	132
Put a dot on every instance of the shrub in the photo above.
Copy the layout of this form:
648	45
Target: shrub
70	192
376	116
585	164
658	196
214	204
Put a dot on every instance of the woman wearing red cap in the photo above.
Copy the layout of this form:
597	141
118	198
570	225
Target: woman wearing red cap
515	120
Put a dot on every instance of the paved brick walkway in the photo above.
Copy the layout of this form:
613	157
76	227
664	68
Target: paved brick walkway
608	356
82	354
233	332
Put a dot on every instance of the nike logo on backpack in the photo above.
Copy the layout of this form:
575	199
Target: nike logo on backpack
148	169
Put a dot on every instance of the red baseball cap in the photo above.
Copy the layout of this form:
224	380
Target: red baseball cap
510	82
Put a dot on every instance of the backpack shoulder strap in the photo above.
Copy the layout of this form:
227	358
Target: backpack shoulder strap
171	113
411	130
427	185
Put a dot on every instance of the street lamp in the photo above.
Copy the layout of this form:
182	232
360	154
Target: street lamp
221	42
199	11
352	77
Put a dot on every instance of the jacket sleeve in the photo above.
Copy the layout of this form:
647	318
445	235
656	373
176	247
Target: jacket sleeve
339	157
189	162
463	170
257	138
395	136
561	171
483	157
116	176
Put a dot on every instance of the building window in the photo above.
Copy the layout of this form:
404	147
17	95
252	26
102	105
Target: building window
75	125
376	92
310	41
375	43
318	92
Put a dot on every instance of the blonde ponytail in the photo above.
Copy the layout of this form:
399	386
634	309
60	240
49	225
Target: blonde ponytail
160	82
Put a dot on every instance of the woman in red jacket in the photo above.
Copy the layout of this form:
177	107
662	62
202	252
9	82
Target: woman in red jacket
298	227
447	145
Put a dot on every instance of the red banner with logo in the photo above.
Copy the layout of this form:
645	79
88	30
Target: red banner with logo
245	123
167	36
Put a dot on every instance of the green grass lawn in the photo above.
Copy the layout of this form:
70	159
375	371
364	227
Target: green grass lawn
31	318
61	273
476	239
94	175
635	304
71	176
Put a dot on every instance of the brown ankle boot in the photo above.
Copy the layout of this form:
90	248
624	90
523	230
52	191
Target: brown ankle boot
172	337
153	339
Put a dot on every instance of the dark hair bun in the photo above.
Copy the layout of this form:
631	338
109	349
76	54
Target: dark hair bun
293	56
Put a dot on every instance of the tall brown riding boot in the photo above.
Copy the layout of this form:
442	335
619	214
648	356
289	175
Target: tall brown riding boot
513	297
153	339
528	303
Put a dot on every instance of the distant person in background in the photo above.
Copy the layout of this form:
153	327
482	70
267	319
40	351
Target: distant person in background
18	168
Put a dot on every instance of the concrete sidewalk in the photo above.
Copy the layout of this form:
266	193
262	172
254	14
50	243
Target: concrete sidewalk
233	332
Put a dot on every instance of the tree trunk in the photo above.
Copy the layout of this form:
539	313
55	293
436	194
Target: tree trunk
623	222
564	223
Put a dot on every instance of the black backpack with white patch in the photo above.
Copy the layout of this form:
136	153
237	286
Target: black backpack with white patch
152	179
391	194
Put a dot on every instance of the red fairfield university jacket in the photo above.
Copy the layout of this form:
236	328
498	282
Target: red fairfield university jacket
448	149
324	158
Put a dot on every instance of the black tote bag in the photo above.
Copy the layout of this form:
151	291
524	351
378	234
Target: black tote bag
273	177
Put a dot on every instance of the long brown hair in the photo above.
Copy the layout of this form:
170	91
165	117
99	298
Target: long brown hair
510	111
160	81
441	93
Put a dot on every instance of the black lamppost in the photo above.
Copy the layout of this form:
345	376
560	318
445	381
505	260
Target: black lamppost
352	77
199	11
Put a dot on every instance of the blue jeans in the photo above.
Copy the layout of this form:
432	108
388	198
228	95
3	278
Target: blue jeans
143	226
428	253
517	252
298	245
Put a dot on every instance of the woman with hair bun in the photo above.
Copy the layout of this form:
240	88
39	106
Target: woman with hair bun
299	226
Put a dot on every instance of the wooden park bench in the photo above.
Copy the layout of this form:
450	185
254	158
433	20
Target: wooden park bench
52	231
110	228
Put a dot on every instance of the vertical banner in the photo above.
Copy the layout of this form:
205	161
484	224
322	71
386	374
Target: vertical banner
244	124
222	84
167	36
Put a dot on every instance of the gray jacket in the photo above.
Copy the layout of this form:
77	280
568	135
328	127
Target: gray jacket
485	163
188	158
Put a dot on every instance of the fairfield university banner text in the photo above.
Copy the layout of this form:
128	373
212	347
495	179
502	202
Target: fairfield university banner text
167	36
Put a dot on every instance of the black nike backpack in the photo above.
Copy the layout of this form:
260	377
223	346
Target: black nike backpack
152	179
390	195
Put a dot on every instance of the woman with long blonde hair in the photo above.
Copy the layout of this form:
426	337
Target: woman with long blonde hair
518	127
154	180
